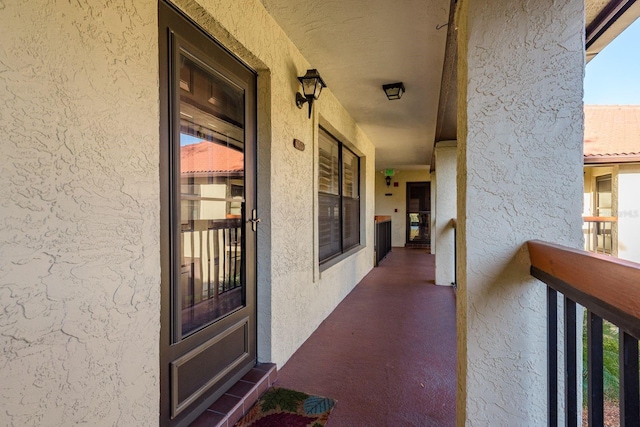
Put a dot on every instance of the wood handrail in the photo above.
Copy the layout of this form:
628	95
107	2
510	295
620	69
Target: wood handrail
600	219
381	218
607	286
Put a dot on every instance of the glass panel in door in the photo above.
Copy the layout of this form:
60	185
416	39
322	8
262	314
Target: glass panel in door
212	197
604	242
418	213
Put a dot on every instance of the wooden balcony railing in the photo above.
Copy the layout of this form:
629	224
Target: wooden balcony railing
382	237
598	233
609	288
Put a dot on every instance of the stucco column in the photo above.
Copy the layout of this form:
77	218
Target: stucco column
443	233
520	73
432	224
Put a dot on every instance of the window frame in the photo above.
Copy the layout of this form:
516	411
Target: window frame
343	250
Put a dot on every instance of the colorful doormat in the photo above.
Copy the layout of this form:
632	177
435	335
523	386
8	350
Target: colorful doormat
281	407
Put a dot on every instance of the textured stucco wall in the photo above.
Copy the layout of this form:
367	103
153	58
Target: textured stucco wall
446	197
520	177
79	242
386	205
79	258
628	212
293	296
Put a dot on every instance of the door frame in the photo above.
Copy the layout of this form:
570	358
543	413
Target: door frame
175	29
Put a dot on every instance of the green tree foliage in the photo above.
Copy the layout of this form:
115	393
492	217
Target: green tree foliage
611	368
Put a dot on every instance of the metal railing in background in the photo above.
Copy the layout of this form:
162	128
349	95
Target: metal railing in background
598	233
228	271
382	237
609	288
453	223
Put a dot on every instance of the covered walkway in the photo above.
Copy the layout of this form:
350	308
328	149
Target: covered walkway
387	353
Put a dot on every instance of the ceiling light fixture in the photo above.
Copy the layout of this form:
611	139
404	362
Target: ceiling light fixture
312	85
394	90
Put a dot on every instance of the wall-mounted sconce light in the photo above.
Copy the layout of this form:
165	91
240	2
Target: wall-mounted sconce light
394	90
388	173
312	85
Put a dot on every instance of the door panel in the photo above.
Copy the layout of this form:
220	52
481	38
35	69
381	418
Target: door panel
197	371
418	213
207	153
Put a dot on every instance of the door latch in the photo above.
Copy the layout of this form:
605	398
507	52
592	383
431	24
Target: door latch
254	220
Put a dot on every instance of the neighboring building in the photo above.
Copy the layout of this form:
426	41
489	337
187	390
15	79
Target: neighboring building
612	180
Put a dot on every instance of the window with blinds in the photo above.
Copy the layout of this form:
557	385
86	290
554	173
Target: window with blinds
338	197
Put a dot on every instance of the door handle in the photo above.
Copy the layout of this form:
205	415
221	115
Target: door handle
254	220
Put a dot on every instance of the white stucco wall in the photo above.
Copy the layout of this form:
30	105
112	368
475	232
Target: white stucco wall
387	205
628	212
79	242
520	122
79	233
446	198
293	297
587	201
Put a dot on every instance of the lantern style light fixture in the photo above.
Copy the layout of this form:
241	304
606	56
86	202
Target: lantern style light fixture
388	173
394	90
312	85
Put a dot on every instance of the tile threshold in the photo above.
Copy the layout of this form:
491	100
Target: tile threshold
236	402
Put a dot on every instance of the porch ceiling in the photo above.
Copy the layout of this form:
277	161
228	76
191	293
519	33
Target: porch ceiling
359	45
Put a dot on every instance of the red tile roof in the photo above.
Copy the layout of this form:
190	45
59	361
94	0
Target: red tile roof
611	133
209	157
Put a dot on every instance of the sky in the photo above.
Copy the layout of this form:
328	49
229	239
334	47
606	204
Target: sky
613	76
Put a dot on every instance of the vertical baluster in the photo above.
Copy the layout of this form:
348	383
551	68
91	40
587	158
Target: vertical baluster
216	262
235	254
629	389
201	256
224	259
455	256
238	256
208	263
571	371
243	249
595	370
552	355
230	262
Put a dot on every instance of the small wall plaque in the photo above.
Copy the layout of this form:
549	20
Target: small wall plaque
299	145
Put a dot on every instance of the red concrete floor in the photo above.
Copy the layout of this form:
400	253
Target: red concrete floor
387	353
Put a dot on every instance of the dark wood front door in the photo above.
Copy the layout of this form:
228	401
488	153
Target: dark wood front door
418	213
208	241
